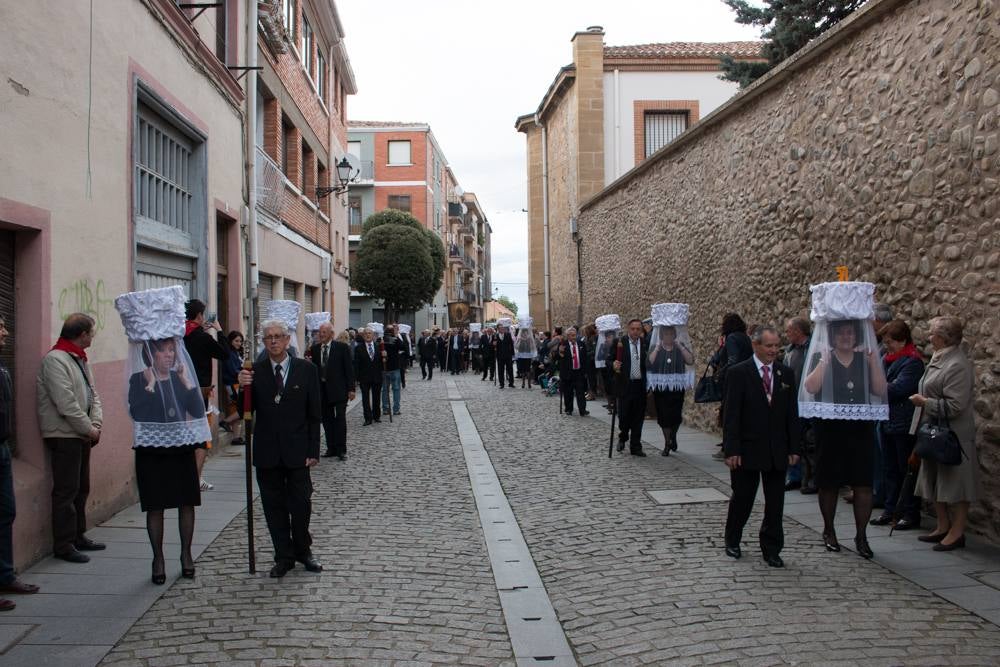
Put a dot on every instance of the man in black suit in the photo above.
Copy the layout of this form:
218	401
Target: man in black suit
488	354
456	351
442	350
631	387
286	399
504	346
368	371
336	379
427	353
760	441
573	372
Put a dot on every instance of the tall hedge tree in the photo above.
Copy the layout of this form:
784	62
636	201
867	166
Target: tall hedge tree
398	262
787	26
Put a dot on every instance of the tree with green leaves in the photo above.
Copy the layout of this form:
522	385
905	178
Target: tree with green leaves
787	26
507	302
399	262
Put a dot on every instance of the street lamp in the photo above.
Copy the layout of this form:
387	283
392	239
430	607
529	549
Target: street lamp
346	174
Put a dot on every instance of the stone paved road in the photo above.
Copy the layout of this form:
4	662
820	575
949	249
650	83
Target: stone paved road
408	579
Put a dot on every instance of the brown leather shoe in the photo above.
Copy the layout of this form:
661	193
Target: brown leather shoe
18	586
6	605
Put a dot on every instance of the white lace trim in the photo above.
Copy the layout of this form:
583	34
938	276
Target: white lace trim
851	411
172	434
526	355
669	381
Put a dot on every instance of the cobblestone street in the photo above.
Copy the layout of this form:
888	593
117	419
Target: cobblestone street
408	578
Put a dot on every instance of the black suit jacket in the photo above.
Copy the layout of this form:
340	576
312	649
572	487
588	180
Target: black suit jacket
625	375
763	434
427	348
486	347
367	370
337	379
505	347
451	346
566	359
286	433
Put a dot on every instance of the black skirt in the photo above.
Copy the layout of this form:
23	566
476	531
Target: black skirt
845	453
669	408
167	477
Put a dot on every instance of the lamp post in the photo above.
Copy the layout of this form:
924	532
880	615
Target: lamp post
346	174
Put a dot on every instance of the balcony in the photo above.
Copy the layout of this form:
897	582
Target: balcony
354	222
366	171
456	209
270	184
456	293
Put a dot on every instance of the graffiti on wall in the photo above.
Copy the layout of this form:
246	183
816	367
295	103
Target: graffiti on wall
85	296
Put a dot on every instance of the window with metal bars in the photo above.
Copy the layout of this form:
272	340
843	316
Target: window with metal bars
163	172
662	127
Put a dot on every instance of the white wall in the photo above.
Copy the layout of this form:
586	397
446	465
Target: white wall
706	87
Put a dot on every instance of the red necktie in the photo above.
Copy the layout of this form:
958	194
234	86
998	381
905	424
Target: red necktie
576	361
767	381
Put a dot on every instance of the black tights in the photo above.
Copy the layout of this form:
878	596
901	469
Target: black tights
862	508
185	525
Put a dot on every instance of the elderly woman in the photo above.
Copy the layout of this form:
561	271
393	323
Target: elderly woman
903	368
946	393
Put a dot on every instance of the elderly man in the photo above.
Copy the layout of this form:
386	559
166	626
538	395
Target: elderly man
573	372
9	582
427	353
631	387
286	401
336	380
70	416
760	440
368	371
503	346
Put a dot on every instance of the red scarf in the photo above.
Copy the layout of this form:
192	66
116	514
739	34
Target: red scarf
70	347
189	326
909	351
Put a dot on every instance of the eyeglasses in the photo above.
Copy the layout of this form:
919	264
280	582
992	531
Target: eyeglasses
272	339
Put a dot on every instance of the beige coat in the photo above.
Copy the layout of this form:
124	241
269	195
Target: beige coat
63	397
949	380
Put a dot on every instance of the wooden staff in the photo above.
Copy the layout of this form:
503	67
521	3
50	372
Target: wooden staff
614	409
385	376
248	460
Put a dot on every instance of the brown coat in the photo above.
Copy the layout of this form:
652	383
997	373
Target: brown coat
948	381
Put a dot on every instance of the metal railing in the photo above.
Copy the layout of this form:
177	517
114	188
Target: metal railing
366	173
270	184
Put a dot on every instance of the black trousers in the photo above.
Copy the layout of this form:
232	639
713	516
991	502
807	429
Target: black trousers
489	366
285	494
443	361
70	488
454	361
574	383
427	367
506	366
402	373
744	484
335	428
371	401
631	414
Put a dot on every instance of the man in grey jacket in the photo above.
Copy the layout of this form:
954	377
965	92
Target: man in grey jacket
69	414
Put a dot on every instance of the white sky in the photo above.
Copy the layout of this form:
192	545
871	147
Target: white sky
469	68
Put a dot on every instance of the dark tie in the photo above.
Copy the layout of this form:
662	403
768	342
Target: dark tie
278	380
767	381
325	350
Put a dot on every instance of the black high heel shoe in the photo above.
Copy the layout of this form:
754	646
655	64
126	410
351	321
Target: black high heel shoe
861	545
158	578
830	541
187	572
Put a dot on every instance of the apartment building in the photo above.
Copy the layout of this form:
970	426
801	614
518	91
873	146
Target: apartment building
603	114
402	166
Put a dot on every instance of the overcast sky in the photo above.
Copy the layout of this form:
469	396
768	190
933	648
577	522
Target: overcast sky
469	68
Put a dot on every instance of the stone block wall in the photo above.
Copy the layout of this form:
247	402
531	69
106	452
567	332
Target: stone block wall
876	148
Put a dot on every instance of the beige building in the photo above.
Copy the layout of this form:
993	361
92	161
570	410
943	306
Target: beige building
603	114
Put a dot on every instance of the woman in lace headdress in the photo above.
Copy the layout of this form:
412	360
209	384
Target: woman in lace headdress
844	391
608	329
525	349
670	368
168	416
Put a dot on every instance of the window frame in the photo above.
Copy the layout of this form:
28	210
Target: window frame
409	153
409	202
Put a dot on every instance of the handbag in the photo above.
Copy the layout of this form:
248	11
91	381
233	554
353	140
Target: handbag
937	442
709	388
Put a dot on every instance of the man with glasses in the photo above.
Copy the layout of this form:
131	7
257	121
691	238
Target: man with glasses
368	371
287	405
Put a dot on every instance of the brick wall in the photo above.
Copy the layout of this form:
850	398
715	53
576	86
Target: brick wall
417	171
877	148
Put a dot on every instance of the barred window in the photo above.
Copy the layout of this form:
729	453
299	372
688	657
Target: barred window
662	127
163	172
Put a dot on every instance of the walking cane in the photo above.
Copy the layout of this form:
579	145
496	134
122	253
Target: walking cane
248	459
614	409
385	376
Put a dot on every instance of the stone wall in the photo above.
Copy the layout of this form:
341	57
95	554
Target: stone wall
875	148
561	135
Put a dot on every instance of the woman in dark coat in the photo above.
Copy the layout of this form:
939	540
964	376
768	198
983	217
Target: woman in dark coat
734	347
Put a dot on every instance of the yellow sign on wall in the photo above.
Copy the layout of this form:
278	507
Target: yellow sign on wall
842	275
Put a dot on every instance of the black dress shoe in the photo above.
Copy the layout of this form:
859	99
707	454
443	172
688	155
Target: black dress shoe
809	490
87	544
328	455
791	486
881	520
621	445
311	564
585	413
280	569
957	544
861	546
73	556
666	451
734	552
342	457
638	453
907	524
368	422
569	412
774	561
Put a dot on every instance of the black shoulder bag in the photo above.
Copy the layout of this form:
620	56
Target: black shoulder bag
709	388
937	442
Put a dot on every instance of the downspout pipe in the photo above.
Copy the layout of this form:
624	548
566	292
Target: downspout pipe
545	221
253	258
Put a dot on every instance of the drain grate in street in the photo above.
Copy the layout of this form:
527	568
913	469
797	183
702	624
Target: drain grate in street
686	496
